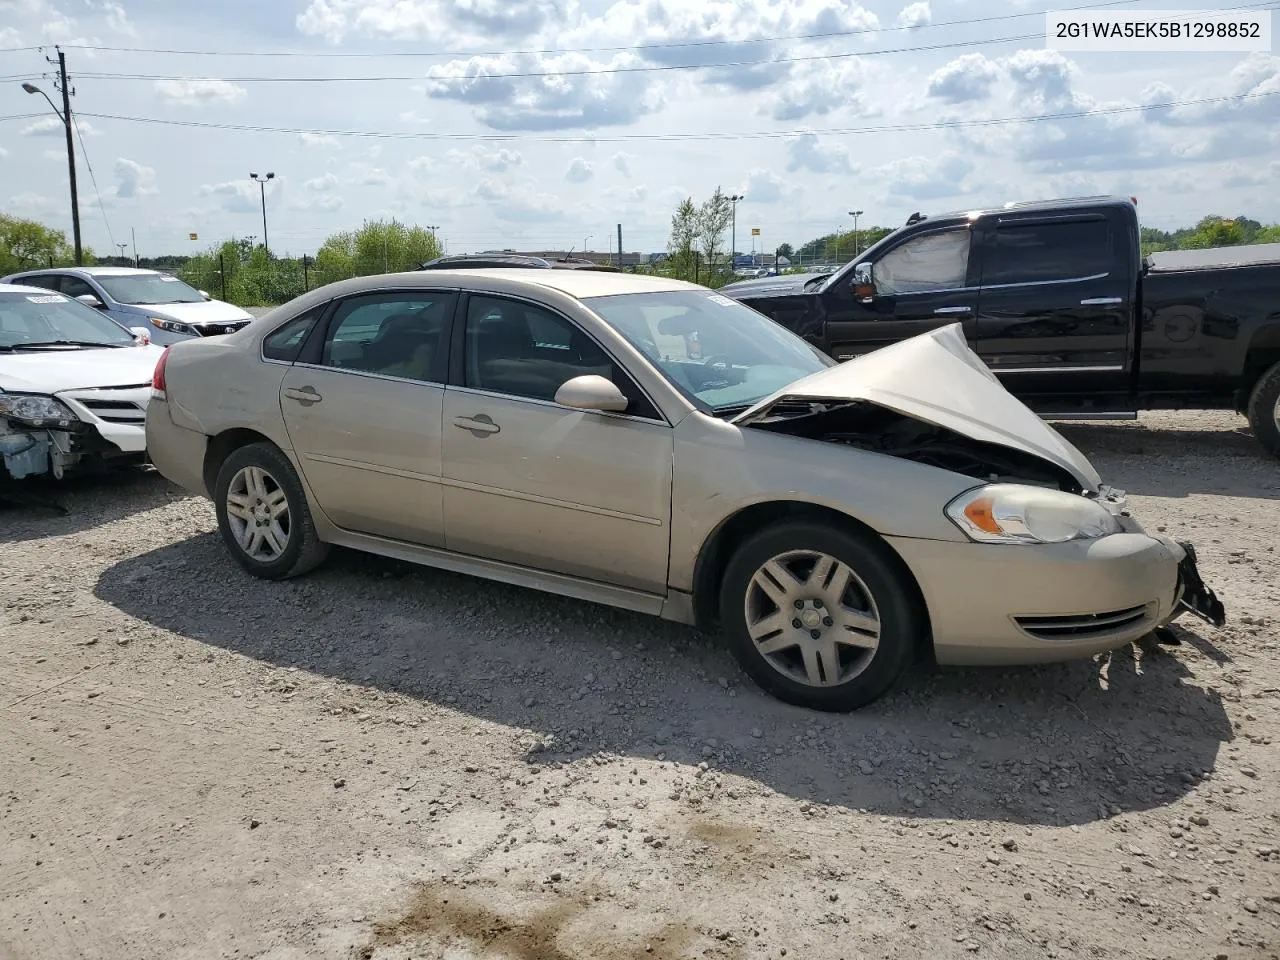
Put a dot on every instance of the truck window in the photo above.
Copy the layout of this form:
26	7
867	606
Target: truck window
1025	253
934	261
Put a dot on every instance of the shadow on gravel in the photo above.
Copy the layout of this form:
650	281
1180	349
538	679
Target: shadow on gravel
1177	463
89	501
1063	744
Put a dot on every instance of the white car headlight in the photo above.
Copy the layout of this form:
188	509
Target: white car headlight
174	326
1014	513
36	410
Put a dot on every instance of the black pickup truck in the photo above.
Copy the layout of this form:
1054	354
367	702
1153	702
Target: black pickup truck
1059	302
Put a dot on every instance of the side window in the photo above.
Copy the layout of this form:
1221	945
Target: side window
1066	250
393	334
522	350
75	287
285	342
934	261
46	281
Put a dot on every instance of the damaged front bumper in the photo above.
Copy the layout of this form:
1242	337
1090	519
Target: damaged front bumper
1193	594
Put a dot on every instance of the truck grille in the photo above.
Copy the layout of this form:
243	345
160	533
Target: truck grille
1085	626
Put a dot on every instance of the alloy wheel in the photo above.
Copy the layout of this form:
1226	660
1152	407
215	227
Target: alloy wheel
258	514
812	618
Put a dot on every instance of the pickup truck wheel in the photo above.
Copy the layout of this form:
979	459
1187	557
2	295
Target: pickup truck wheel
263	515
1264	410
818	617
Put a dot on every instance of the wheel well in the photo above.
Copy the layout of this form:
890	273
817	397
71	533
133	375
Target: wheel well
713	558
1264	353
221	447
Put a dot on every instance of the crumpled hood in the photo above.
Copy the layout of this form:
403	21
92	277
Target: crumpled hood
204	312
52	371
936	378
782	286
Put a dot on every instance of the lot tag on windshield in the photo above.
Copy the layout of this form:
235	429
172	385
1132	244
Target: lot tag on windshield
722	301
48	298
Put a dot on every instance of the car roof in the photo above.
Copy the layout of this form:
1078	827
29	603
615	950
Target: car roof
575	283
94	271
1032	207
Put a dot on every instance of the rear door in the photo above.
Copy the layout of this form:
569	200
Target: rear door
1055	303
921	284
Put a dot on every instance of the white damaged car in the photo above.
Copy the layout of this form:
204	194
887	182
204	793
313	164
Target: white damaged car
74	385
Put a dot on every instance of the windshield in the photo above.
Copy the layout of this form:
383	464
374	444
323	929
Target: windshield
140	288
719	353
47	317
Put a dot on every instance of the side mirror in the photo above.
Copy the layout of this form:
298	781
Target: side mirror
89	300
141	334
591	392
864	285
205	294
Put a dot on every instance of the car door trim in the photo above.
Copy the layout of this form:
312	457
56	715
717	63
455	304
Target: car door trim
1099	368
1043	283
473	391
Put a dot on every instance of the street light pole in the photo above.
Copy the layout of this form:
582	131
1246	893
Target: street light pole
733	234
584	243
262	189
855	214
435	245
65	116
123	247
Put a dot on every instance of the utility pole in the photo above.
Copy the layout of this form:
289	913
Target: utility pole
619	264
133	235
65	116
262	189
733	235
855	214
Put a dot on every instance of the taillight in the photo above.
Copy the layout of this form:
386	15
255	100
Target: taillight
157	378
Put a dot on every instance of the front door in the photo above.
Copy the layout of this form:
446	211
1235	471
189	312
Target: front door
363	414
1055	307
533	483
920	285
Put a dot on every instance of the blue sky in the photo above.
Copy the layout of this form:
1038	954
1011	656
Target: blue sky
558	159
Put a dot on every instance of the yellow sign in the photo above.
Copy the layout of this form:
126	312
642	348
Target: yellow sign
193	236
755	231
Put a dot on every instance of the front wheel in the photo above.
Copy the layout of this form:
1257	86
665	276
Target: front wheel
819	617
263	515
1264	410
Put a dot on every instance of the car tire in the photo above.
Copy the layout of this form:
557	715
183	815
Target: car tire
256	489
858	649
1264	410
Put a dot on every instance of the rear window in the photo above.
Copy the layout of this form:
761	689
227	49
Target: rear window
1039	252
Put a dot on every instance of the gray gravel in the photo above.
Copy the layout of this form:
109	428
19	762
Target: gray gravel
386	761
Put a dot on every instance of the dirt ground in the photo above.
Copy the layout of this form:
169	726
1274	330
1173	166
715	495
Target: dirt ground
381	761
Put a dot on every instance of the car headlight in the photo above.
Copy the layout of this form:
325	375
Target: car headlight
1014	513
34	410
173	326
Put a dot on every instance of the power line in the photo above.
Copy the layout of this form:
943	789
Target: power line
75	121
640	137
669	45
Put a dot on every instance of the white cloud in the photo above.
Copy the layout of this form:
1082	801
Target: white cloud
367	175
818	88
3	153
518	202
319	140
622	162
915	15
235	196
926	178
546	102
579	171
477	158
764	186
116	17
191	92
134	180
33	202
1042	79
425	19
322	184
1251	175
52	127
10	37
808	152
966	78
324	202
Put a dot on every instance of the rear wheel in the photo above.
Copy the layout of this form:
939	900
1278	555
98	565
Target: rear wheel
1264	410
263	515
819	617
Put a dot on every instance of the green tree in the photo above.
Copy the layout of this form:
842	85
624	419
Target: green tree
784	250
1215	232
712	222
26	244
682	255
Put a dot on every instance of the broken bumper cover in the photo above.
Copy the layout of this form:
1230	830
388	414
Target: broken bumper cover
1194	595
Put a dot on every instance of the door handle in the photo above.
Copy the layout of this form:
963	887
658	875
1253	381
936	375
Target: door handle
1101	301
481	425
953	310
304	395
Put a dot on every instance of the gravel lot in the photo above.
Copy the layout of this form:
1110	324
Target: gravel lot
382	761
